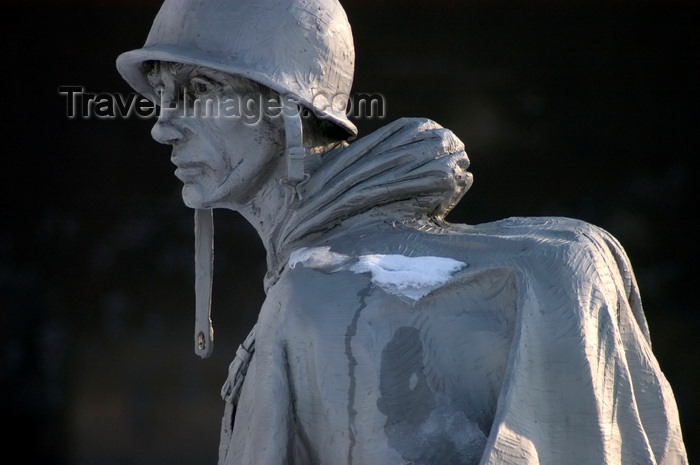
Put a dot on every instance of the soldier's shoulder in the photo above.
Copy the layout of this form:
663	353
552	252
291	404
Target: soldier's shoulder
543	230
519	238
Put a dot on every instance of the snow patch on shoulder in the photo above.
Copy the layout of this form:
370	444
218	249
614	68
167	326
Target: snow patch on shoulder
318	257
412	277
409	277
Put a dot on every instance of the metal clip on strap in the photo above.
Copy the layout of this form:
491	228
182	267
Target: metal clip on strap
295	164
295	152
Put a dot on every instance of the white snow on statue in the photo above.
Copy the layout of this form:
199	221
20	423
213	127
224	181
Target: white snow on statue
410	277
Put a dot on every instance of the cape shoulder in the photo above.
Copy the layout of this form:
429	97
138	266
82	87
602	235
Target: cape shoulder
420	260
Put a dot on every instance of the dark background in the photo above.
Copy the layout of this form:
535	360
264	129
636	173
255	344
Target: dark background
572	108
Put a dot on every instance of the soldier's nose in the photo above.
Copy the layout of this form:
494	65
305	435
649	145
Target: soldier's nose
165	131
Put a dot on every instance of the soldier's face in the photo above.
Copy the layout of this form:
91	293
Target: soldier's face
222	153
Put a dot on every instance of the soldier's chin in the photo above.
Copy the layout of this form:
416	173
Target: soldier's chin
194	197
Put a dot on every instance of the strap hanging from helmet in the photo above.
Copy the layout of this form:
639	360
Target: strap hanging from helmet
294	152
204	276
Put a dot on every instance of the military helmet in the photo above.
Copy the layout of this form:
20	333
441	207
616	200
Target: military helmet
300	48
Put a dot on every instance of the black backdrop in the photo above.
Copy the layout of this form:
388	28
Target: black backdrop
580	109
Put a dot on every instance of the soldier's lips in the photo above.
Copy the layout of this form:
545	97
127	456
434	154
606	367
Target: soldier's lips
189	171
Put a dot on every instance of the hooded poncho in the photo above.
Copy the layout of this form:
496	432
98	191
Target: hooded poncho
391	337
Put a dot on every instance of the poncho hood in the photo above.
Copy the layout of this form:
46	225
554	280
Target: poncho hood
409	169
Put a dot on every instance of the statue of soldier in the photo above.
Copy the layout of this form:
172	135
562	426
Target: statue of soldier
388	336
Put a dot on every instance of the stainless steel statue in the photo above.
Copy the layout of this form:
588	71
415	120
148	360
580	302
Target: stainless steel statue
388	335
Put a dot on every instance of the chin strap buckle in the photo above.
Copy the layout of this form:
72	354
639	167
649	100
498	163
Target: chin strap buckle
294	152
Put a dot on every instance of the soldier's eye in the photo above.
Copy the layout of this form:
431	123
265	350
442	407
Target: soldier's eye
159	92
202	85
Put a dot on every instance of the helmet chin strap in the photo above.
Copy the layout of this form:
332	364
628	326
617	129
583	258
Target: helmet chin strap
204	275
204	234
294	152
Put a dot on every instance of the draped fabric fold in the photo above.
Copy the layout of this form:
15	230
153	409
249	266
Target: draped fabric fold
412	165
582	384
